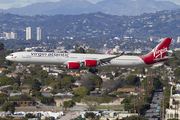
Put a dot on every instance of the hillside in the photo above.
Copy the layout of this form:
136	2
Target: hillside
113	7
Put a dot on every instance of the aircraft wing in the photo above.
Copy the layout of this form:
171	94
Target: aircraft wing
98	62
110	58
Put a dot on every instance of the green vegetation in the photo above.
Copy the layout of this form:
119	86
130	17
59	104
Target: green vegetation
8	106
68	104
91	115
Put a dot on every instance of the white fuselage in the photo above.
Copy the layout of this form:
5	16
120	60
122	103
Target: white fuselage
62	58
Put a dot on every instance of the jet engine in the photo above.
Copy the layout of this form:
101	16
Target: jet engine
73	65
91	63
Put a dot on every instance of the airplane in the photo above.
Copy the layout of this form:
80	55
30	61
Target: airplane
77	60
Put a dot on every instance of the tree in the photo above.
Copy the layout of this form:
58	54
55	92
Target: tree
6	71
68	104
96	81
81	91
55	84
30	115
42	74
91	115
24	71
69	78
35	69
139	117
8	106
177	73
3	98
66	85
132	79
157	83
36	93
35	85
1	46
7	80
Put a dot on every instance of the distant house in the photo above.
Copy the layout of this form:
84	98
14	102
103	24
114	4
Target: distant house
5	114
171	77
25	91
64	95
46	94
46	69
84	71
104	76
12	75
9	92
74	74
53	73
21	78
17	71
1	69
170	70
46	89
4	87
14	94
77	83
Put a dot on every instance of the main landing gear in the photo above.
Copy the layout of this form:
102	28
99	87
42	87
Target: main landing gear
93	70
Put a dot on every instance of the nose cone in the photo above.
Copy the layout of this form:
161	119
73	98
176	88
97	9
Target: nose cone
8	58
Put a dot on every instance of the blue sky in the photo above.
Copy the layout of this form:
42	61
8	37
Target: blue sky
5	4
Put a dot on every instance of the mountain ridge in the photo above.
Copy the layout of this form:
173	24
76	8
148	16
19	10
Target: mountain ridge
113	7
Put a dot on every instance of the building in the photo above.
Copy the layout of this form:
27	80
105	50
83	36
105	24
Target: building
38	33
178	39
11	35
1	69
12	75
23	103
28	33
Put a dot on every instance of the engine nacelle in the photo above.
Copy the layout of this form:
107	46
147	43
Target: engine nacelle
73	65
91	63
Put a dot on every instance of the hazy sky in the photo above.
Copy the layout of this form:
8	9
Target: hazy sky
5	4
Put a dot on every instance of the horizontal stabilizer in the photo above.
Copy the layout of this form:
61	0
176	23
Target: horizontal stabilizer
161	59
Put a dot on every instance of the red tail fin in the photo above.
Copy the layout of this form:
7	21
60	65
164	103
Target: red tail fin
158	52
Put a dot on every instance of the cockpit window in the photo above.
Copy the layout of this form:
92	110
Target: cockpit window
11	55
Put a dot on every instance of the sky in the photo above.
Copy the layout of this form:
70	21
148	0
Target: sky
5	4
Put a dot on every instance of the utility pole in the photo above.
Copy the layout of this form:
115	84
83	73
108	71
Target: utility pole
163	109
139	90
134	105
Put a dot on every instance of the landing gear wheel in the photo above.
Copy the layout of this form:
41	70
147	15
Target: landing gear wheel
93	70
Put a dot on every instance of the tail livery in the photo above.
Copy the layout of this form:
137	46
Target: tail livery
158	53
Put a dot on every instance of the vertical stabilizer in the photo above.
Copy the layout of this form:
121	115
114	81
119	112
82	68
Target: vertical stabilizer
158	53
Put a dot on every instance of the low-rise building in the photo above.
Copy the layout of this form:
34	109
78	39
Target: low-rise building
23	103
1	69
12	75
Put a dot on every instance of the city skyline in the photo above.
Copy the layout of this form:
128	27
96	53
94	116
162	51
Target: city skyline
6	4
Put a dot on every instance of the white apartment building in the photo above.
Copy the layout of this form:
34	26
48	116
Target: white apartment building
174	110
38	33
11	35
178	39
28	33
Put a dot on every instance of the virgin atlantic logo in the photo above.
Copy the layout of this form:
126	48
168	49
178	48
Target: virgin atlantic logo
159	53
